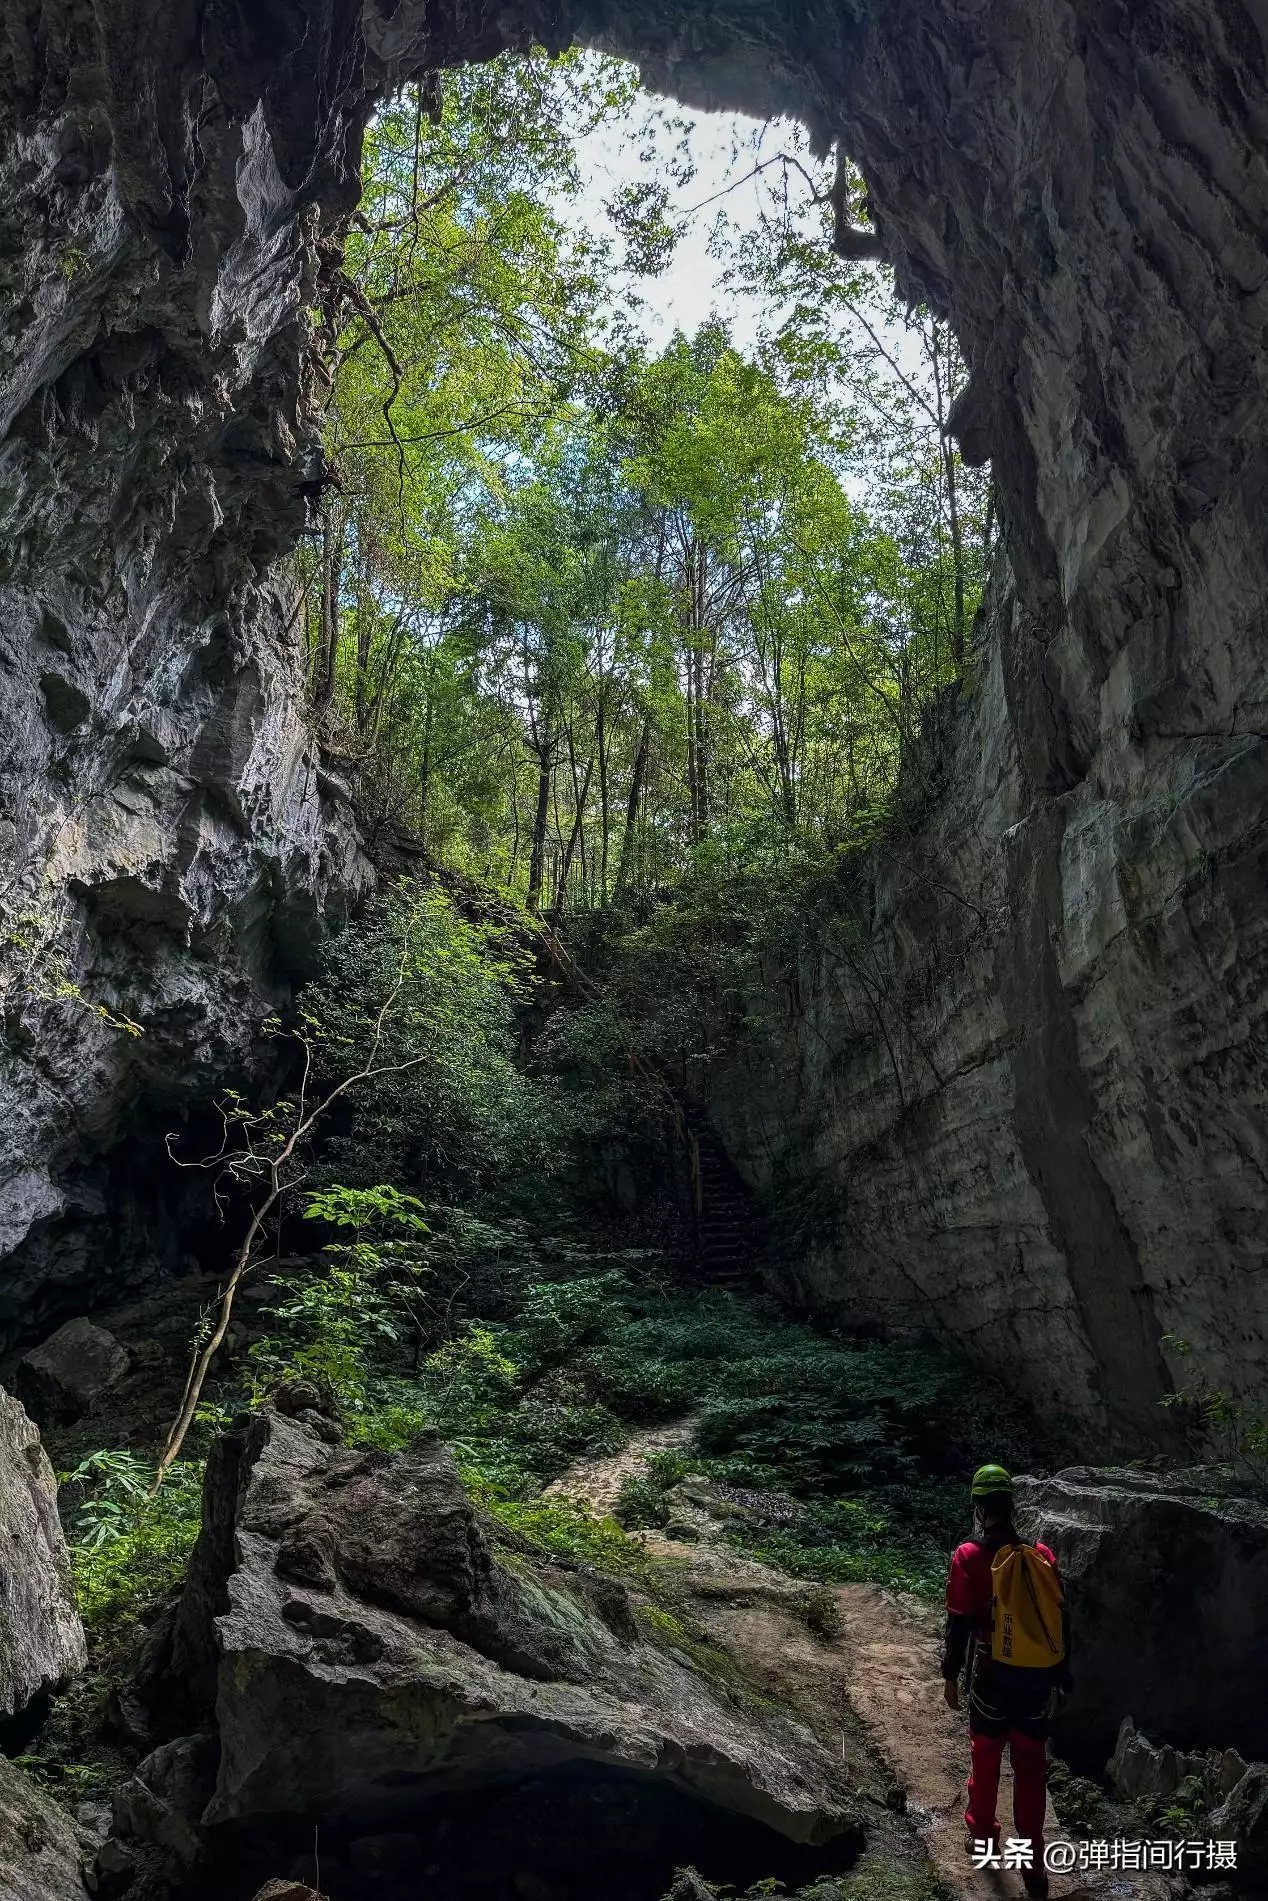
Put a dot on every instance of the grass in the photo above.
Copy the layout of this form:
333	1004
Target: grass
555	1529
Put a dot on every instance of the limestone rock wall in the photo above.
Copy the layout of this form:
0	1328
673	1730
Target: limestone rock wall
41	1638
168	839
1011	1090
1070	1122
1018	1091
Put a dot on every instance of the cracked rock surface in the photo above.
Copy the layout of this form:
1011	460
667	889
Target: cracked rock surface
41	1638
348	1646
1116	1534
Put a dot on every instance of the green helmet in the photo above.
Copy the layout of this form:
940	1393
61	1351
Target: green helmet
989	1479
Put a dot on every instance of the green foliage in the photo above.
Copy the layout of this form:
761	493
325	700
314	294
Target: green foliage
558	1318
554	1528
457	1110
109	1483
643	1501
849	1461
362	1295
68	1781
821	1613
1219	1423
589	616
327	1325
835	1460
128	1551
469	1383
1080	1803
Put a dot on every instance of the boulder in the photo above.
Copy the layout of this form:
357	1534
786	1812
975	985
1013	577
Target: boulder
60	1379
1230	1771
40	1851
156	1810
41	1638
1138	1768
369	1659
1167	1586
1243	1818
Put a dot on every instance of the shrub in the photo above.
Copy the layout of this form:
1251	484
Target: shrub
128	1551
820	1612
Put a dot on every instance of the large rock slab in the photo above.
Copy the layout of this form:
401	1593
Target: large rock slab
40	1850
367	1655
1167	1588
41	1637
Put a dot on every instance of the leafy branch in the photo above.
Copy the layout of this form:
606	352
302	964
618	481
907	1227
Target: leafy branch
267	1154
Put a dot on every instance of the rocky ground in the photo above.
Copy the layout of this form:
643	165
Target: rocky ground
860	1665
365	1681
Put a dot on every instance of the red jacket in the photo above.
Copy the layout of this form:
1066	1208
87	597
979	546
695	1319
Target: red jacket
994	1689
969	1590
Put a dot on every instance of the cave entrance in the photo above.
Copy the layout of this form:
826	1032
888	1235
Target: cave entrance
560	1836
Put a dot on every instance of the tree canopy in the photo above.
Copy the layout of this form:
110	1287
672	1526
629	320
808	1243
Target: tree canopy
584	613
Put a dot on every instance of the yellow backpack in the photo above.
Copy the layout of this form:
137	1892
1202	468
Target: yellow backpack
1027	1629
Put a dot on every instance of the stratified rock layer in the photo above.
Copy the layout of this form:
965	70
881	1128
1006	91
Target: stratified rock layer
41	1639
1021	1091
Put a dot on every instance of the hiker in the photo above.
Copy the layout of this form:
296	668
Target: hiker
1007	1616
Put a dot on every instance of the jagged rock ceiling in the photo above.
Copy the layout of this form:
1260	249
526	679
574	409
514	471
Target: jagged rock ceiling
1081	184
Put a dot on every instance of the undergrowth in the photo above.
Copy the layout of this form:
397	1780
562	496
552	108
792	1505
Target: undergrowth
841	1460
129	1551
837	1460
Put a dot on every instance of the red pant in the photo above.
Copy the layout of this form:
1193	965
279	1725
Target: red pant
1030	1783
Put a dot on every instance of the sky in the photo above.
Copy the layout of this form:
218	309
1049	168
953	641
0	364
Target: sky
689	290
724	146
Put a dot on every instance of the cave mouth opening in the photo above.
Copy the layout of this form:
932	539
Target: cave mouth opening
561	1835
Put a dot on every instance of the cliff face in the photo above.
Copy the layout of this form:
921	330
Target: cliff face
1009	1092
1075	1116
168	845
1020	1087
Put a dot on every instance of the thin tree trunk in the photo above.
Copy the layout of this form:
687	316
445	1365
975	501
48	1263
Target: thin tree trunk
537	858
605	822
424	755
702	691
578	821
626	865
692	780
364	630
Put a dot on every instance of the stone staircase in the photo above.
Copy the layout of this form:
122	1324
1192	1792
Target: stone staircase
727	1227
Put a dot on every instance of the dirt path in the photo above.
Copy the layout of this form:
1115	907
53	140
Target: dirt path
873	1693
596	1483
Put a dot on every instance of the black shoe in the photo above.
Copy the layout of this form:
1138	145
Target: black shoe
1035	1882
